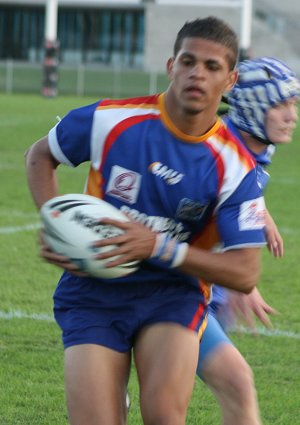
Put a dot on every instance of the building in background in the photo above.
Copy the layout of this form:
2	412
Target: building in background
126	33
119	48
139	33
103	32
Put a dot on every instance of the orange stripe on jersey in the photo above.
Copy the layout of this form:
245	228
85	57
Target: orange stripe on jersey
94	184
219	164
120	128
206	240
244	155
141	102
178	133
208	237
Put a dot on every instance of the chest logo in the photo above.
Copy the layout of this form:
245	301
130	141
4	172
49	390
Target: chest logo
169	175
124	184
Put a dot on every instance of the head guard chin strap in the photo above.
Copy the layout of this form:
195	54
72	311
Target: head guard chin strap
262	83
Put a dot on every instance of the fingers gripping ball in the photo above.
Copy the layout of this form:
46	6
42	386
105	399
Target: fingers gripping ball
71	225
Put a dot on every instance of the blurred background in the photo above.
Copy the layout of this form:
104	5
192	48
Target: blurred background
54	52
120	47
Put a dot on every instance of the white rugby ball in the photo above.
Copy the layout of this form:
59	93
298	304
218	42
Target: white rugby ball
71	225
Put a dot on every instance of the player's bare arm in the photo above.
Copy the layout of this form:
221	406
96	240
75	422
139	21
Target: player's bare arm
235	269
41	174
41	169
274	239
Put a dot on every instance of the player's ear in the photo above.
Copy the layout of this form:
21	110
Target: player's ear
232	79
169	66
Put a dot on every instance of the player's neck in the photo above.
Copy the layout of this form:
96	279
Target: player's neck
253	144
191	124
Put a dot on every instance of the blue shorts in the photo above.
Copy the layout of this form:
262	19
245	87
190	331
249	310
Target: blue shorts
213	336
112	314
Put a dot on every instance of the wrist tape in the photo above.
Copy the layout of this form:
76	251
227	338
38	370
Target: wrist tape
169	251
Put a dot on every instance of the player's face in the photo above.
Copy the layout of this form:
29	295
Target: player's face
199	75
281	121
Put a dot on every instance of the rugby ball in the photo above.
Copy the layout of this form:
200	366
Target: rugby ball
71	224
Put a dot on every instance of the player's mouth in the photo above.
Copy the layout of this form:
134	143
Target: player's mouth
287	130
194	92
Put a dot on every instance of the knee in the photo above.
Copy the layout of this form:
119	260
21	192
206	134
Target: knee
161	409
229	375
241	382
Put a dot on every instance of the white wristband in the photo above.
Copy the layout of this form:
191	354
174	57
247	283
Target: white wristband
159	246
169	251
180	256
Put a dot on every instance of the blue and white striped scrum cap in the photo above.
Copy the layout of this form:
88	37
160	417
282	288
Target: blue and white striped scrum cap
262	83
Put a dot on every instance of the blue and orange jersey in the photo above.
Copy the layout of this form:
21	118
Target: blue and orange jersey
202	190
262	159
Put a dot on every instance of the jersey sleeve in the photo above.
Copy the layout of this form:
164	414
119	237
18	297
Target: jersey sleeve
69	140
241	218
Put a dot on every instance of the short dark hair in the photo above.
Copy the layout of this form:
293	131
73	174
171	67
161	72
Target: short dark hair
214	29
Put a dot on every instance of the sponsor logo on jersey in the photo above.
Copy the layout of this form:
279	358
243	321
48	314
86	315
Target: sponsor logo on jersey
124	184
169	175
158	224
190	210
252	214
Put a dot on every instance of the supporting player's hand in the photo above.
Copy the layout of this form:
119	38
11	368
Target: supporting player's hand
58	260
274	239
245	307
136	243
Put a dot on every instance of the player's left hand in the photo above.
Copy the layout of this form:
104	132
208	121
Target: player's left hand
246	307
274	239
136	243
58	260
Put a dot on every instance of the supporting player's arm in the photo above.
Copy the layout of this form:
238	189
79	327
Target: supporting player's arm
237	269
41	172
274	239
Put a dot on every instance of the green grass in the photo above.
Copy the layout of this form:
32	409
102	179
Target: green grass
31	354
84	80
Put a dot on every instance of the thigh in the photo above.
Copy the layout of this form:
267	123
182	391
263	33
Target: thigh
212	339
96	379
166	357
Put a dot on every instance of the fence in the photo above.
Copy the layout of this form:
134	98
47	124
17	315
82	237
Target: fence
81	80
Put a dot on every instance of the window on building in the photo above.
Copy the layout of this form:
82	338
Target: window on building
86	35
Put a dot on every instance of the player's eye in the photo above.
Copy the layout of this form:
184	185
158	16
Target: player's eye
187	61
213	65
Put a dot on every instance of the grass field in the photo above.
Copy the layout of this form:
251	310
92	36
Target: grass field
20	77
31	355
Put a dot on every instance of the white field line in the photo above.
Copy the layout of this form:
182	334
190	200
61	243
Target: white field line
4	230
17	314
14	167
43	317
266	332
16	229
289	231
285	180
19	213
